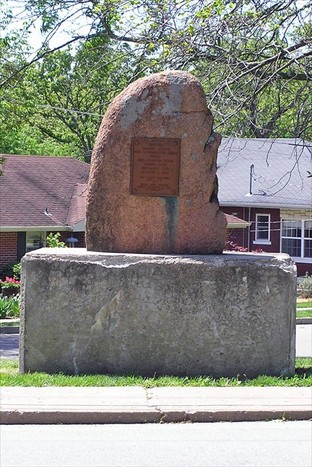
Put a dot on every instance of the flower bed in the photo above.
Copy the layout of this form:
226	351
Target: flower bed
10	286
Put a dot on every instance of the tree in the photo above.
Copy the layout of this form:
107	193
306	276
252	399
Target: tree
253	57
12	50
70	92
58	102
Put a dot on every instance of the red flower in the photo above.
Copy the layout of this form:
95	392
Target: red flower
10	280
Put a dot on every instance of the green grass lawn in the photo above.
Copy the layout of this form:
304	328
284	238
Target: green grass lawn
10	322
304	304
304	314
9	376
300	313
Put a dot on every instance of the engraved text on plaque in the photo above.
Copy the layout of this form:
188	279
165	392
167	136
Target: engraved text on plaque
155	166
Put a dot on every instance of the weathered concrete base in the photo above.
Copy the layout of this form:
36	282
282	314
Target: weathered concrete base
85	312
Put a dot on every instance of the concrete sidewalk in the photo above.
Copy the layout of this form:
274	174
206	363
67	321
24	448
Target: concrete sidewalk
90	405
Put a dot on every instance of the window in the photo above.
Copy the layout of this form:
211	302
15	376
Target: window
35	240
296	238
262	228
307	249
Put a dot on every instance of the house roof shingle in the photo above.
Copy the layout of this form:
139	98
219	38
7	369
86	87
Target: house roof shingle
279	177
42	191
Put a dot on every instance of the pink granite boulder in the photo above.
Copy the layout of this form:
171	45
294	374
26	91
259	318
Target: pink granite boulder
153	184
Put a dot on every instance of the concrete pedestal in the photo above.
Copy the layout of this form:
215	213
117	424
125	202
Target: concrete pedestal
85	313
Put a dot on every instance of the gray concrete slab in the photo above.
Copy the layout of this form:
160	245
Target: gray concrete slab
146	313
88	405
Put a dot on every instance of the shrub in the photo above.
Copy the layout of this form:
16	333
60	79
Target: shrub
9	286
16	268
9	306
54	242
230	245
305	286
11	270
9	282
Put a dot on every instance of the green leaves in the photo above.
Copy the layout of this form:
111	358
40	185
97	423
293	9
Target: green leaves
253	59
54	242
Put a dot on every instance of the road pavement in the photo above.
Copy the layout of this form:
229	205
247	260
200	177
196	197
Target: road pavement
9	345
254	444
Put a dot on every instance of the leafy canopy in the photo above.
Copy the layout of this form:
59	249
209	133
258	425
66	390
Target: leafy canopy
252	56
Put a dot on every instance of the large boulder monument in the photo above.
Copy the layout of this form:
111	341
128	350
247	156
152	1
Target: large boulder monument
153	183
153	293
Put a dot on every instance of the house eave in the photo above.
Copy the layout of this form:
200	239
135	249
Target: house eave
238	225
80	226
264	206
32	228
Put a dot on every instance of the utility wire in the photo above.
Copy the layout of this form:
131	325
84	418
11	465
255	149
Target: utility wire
94	114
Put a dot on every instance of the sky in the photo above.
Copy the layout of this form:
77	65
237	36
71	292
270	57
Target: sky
35	38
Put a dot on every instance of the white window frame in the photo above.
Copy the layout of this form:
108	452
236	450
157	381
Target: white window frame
262	241
301	258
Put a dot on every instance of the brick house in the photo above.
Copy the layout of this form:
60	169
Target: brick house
39	195
268	183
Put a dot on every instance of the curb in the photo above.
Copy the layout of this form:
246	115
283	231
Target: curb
130	405
116	417
303	320
9	330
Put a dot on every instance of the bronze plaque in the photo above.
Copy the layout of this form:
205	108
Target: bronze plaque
155	166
